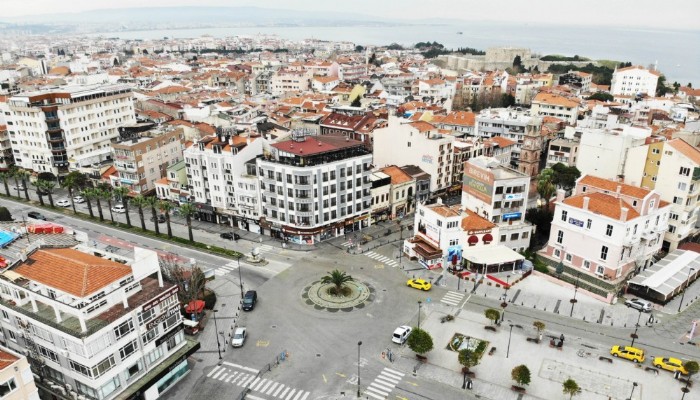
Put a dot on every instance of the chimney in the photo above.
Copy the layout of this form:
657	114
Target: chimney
623	214
618	190
561	194
586	200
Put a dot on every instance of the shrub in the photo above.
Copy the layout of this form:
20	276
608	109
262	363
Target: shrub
209	299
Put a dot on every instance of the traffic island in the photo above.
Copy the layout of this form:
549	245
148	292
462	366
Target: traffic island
355	295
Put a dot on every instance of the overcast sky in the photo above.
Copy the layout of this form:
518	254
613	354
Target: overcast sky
673	14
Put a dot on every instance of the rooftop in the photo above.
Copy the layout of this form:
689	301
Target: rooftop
603	204
315	145
7	359
613	186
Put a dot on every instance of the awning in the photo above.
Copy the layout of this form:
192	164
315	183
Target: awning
195	306
491	255
670	273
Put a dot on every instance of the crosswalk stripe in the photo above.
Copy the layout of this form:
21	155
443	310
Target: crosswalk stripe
251	397
375	390
262	389
274	385
394	372
245	382
255	382
230	364
380	386
212	371
299	393
289	397
230	377
218	373
387	381
222	377
305	396
284	392
220	273
278	390
237	376
375	396
227	268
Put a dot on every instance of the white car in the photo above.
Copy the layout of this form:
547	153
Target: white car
63	203
78	199
119	209
639	304
238	337
401	334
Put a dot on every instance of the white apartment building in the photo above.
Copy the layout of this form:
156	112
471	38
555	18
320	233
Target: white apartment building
417	143
547	104
283	81
6	158
103	327
671	168
607	229
498	194
351	71
223	181
507	123
315	187
54	130
634	80
16	377
603	153
563	150
381	196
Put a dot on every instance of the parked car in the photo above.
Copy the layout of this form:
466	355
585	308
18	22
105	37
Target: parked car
249	300
63	203
161	218
238	338
119	209
670	364
421	284
36	215
628	352
639	304
78	199
401	334
230	236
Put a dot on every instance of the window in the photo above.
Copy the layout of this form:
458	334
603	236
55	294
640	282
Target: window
525	235
12	336
128	350
154	355
589	223
557	253
5	315
454	242
46	353
586	264
8	387
560	237
109	387
604	253
123	329
79	368
677	200
104	366
134	370
514	236
569	257
684	171
609	230
682	186
564	214
503	238
145	316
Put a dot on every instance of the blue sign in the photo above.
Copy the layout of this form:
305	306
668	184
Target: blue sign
515	215
574	221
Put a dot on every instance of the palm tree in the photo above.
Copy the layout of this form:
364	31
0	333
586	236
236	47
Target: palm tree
165	206
98	195
122	193
48	188
88	195
338	278
106	193
188	211
4	176
39	190
140	202
14	173
24	177
545	187
74	180
154	203
571	388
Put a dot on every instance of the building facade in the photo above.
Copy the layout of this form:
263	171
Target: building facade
16	377
634	80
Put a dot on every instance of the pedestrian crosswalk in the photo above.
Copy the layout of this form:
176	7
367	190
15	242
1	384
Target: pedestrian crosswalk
383	384
349	243
265	248
225	269
452	298
248	378
382	259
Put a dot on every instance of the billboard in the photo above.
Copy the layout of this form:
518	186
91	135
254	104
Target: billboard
429	230
478	182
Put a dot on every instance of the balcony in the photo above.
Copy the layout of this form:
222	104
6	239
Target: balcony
304	213
304	200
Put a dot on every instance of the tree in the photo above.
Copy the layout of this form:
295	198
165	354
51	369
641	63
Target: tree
166	206
5	176
692	367
97	195
39	191
153	203
190	281
48	187
545	187
419	341
470	358
188	211
359	48
122	193
541	218
5	214
571	388
74	180
661	88
539	327
357	101
521	375
24	177
338	278
601	96
88	195
492	314
564	176
106	194
140	202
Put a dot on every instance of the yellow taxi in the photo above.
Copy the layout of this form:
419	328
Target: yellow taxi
629	353
670	364
420	284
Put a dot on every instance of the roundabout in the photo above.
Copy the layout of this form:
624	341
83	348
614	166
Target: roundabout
354	295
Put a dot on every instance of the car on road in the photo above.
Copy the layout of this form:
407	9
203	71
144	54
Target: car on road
238	338
639	304
670	364
249	300
628	352
230	236
161	218
401	334
63	203
119	209
78	199
18	187
36	215
421	284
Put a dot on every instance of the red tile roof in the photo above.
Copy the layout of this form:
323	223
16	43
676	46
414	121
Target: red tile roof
604	204
316	145
686	149
397	175
611	186
6	359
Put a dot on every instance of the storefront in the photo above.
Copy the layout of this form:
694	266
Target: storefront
492	259
205	212
429	256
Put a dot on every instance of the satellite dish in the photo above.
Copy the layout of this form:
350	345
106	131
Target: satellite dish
256	251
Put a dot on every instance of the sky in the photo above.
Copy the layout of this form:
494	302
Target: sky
672	14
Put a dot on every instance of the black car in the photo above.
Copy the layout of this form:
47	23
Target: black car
36	215
249	300
230	236
161	218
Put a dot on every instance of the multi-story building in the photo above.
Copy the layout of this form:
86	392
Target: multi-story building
546	104
53	130
16	377
142	161
222	178
174	186
381	196
563	150
578	80
402	193
6	159
102	327
416	143
606	230
671	168
422	179
634	80
283	81
603	152
316	187
350	71
498	194
509	124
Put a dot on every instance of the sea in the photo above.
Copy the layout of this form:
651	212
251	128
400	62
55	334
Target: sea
676	53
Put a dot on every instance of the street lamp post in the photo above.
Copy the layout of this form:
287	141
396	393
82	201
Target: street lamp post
634	386
636	327
686	288
504	303
218	344
509	336
358	368
573	301
240	280
419	303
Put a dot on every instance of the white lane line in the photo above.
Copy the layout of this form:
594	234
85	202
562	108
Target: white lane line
289	396
251	397
274	385
380	385
299	393
278	389
305	396
385	381
255	371
262	389
212	371
375	390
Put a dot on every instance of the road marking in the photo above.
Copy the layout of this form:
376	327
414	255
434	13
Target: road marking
278	389
274	385
379	266
231	377
298	396
380	385
222	377
289	397
262	343
341	375
305	396
255	382
230	364
250	396
218	373
397	396
412	383
212	371
452	298
391	371
324	378
239	376
284	392
245	382
375	396
371	389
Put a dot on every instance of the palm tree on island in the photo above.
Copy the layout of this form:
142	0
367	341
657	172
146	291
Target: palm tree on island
339	279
